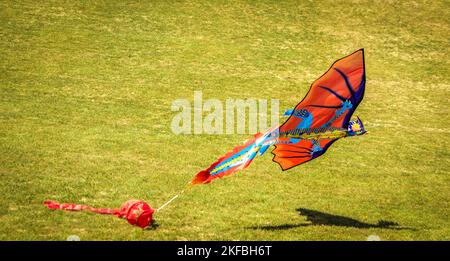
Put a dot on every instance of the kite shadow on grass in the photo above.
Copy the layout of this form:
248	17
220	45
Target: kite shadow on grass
317	218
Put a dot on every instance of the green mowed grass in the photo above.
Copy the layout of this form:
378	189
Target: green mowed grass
86	94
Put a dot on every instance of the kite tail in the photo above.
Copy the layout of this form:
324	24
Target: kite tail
201	178
77	207
136	212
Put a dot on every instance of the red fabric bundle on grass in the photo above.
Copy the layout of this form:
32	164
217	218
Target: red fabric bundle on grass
136	212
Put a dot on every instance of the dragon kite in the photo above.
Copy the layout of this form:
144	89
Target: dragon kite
320	119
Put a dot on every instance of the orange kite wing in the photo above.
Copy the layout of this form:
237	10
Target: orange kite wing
330	101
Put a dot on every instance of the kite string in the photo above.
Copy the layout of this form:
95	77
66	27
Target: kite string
167	203
188	186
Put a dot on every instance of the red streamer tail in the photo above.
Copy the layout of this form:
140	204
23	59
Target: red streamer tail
136	212
77	207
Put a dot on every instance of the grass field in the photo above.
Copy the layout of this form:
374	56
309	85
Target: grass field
86	94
